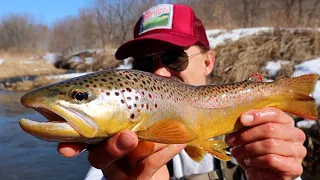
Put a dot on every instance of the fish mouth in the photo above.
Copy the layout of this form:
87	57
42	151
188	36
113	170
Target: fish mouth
65	124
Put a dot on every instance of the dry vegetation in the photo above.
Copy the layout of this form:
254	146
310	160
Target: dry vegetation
237	61
15	65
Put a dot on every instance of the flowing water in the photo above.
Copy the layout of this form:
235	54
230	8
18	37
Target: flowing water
23	156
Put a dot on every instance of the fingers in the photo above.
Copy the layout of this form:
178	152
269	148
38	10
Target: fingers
266	131
270	146
71	149
283	166
266	115
143	150
146	168
116	147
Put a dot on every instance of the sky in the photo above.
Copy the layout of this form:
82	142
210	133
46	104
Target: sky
44	11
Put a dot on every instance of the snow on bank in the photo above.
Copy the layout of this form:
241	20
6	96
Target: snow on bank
66	76
220	37
126	64
1	61
52	58
274	66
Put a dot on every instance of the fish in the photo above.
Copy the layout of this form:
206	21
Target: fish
93	107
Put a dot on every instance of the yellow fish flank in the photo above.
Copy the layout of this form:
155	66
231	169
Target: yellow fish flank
93	107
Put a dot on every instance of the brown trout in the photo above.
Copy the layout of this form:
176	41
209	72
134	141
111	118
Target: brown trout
93	107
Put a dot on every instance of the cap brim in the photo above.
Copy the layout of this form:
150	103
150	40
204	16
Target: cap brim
149	44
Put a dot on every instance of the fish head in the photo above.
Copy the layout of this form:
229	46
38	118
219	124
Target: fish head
78	110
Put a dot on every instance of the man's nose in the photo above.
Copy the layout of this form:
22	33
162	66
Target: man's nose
160	69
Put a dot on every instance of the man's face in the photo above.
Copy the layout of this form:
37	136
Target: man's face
194	74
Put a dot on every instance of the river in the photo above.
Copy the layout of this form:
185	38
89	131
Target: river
23	156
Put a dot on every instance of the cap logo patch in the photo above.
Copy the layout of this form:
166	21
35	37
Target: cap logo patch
157	17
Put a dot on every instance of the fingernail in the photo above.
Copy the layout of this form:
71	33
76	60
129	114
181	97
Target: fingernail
247	119
125	142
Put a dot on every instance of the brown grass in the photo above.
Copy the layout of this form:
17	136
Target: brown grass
23	65
238	60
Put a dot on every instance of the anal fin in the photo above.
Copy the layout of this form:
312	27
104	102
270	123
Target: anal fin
197	149
218	149
169	131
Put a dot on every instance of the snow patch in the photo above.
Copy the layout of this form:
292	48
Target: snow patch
126	64
1	61
75	59
66	76
89	60
307	67
220	37
51	58
274	66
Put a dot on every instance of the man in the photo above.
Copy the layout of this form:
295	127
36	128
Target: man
170	41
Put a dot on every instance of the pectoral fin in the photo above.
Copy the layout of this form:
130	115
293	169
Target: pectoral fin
168	132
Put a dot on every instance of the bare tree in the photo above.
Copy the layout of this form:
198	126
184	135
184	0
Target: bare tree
123	10
88	28
18	29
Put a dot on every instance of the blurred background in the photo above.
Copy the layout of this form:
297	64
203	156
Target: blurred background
42	42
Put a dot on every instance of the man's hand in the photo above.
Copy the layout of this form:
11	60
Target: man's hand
270	146
124	157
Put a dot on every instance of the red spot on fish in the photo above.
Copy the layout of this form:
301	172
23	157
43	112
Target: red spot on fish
122	101
142	105
108	93
95	86
132	116
136	97
128	89
117	93
155	105
129	107
129	98
150	96
87	86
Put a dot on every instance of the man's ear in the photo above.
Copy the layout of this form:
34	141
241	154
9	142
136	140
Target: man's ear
209	63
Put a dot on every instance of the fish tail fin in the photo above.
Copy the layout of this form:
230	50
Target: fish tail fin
216	148
301	102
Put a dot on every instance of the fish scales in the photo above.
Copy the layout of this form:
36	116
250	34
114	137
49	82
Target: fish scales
165	110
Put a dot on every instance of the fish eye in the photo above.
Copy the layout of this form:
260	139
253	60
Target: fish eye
80	96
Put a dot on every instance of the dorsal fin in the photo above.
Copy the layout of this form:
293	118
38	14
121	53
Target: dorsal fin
256	77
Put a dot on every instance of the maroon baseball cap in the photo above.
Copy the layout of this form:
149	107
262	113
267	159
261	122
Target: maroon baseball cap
168	24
